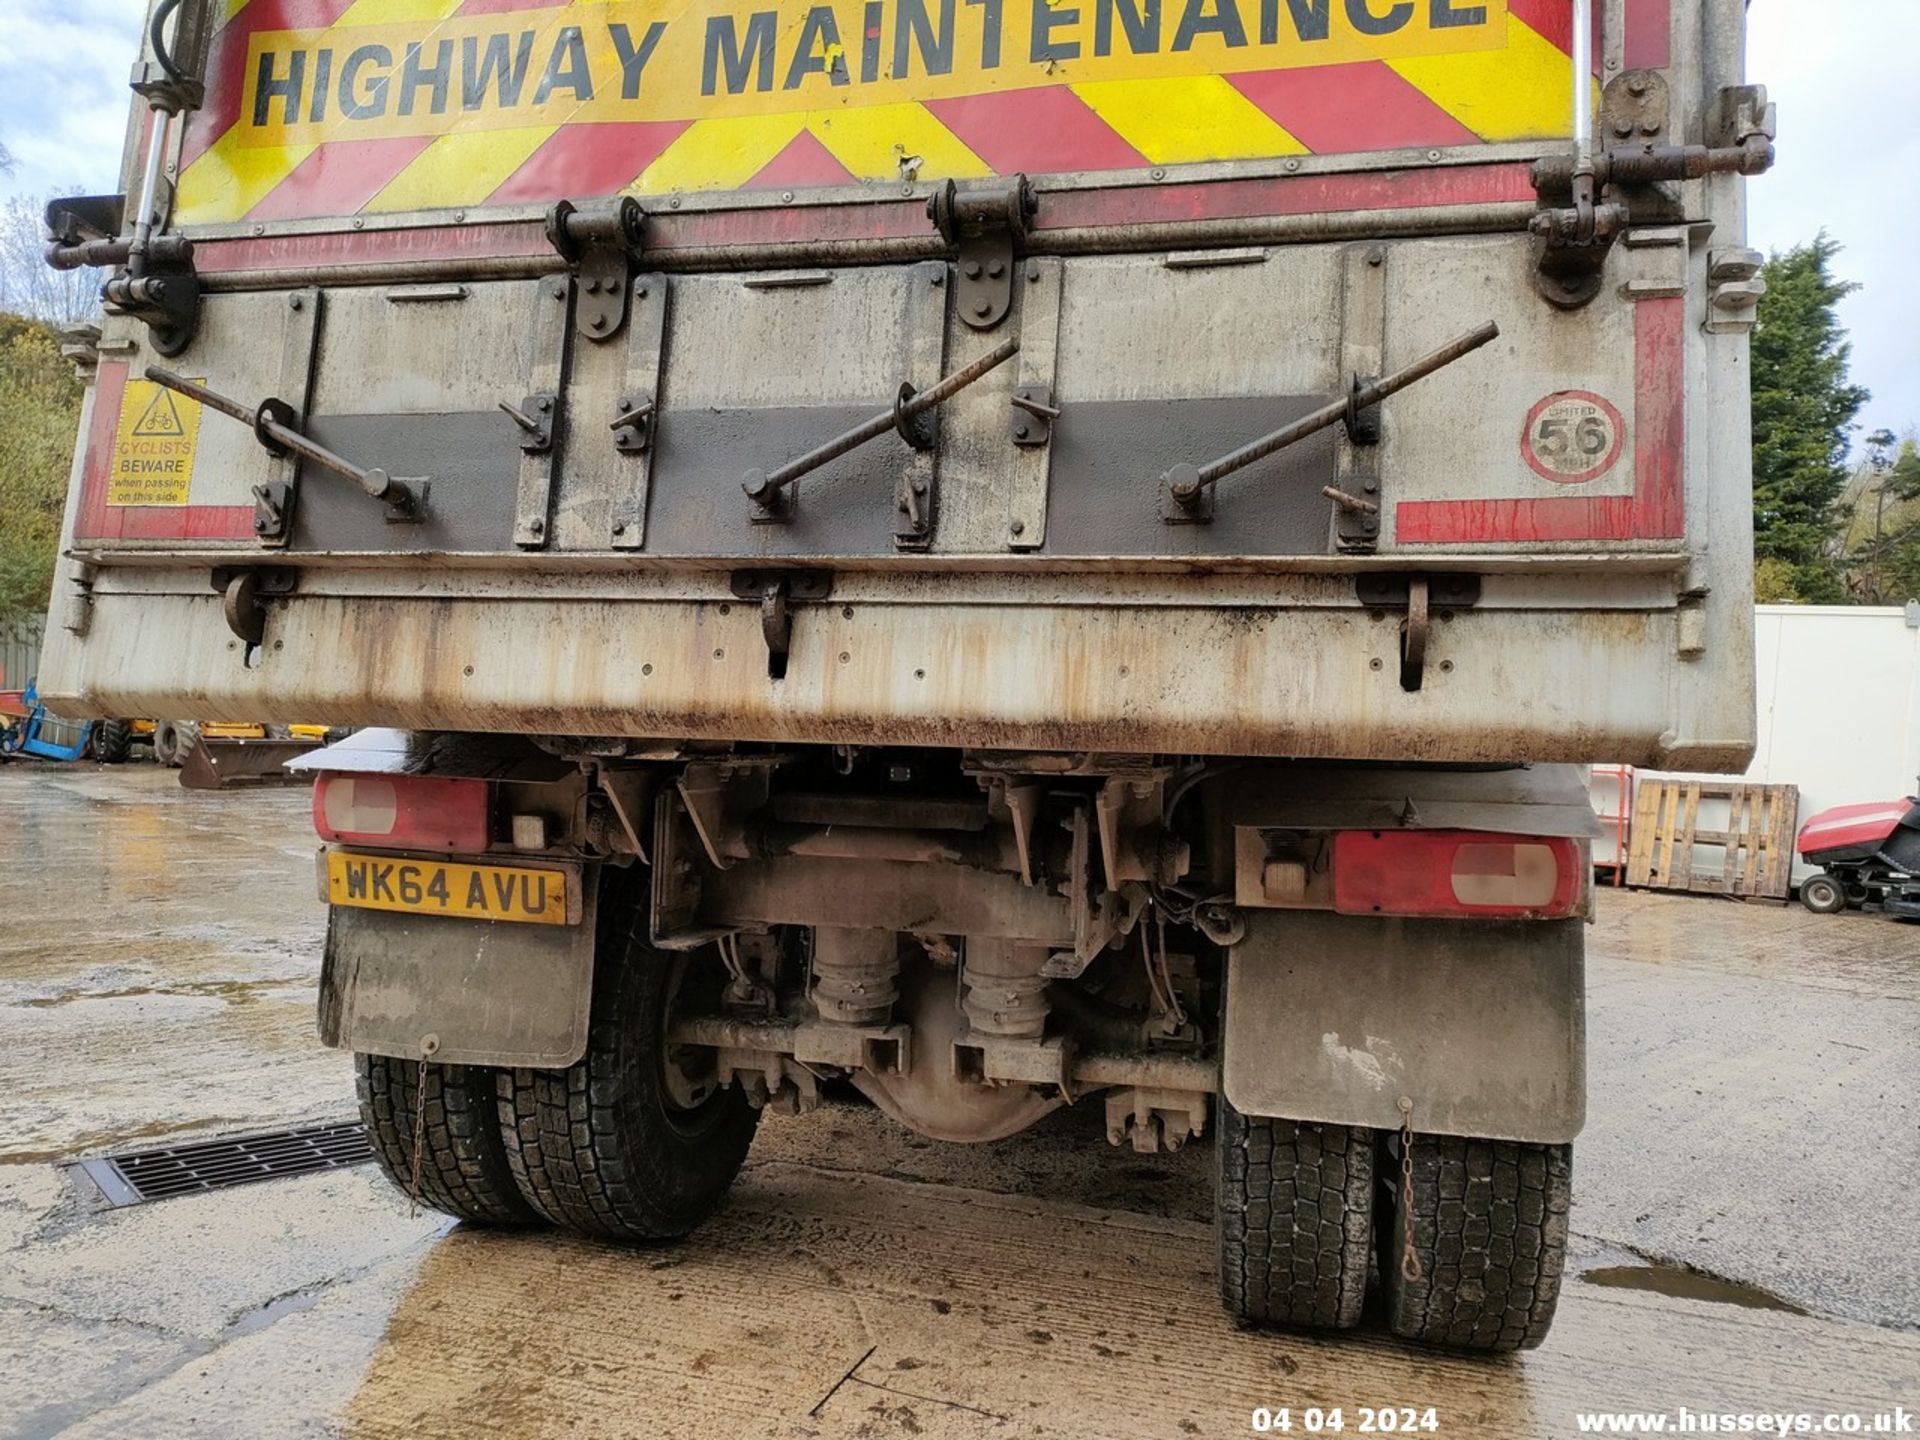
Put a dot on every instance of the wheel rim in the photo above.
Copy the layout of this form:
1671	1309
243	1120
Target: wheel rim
689	1077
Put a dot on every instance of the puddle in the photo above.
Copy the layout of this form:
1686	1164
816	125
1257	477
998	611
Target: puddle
1683	1284
254	1321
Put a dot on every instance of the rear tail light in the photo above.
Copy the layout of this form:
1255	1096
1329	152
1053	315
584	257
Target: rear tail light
407	812
1456	872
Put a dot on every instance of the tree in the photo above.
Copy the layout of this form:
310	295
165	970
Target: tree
39	415
1803	419
1885	566
28	285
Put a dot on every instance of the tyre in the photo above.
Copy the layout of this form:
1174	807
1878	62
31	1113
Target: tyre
633	1142
112	741
1490	1234
173	741
1823	894
463	1167
1293	1220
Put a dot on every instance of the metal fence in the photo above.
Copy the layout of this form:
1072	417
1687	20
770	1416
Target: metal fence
19	653
20	662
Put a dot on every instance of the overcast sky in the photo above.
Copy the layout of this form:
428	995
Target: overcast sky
1841	73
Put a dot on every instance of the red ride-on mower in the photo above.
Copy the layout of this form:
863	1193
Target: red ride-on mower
1869	855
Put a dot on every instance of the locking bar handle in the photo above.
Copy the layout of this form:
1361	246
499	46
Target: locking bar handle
762	487
1186	484
273	423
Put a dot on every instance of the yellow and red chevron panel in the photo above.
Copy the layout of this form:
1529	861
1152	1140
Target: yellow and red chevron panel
327	108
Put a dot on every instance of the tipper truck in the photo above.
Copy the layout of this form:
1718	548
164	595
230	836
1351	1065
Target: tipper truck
992	554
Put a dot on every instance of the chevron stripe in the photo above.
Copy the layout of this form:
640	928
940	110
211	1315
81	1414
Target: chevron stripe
1524	92
894	142
455	168
1200	117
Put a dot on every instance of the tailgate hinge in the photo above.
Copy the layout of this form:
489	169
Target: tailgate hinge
985	223
601	241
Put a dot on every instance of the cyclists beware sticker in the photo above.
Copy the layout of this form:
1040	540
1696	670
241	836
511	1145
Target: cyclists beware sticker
1573	437
153	447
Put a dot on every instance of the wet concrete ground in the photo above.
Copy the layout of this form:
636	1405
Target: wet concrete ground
1755	1115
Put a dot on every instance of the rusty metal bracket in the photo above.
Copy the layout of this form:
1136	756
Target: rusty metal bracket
776	592
1420	595
600	240
1355	492
1034	414
551	345
535	416
985	222
1031	471
637	414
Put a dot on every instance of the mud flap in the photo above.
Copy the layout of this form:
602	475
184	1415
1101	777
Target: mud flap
1481	1024
488	992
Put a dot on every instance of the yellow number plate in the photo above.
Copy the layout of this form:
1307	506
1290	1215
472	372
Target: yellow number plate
445	887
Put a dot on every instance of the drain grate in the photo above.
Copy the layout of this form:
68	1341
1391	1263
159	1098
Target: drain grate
142	1175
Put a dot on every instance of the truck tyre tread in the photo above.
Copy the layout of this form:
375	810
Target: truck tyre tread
596	1147
464	1170
1295	1220
1490	1231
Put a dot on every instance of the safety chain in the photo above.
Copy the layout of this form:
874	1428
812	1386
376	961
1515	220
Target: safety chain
428	1046
1409	1257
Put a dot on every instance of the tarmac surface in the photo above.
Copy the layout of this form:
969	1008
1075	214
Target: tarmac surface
1746	1232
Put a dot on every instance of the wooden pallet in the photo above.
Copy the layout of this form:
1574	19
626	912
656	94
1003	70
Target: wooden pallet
1756	847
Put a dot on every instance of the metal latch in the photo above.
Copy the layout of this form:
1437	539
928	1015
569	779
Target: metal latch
158	287
776	592
1186	494
601	241
1419	596
985	223
275	426
1586	200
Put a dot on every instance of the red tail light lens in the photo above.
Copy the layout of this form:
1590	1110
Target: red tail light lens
404	812
1455	873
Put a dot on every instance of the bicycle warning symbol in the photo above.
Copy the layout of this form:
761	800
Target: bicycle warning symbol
1573	437
161	420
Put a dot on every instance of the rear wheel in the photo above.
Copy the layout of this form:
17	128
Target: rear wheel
463	1165
112	740
634	1142
1490	1235
1823	894
1294	1219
